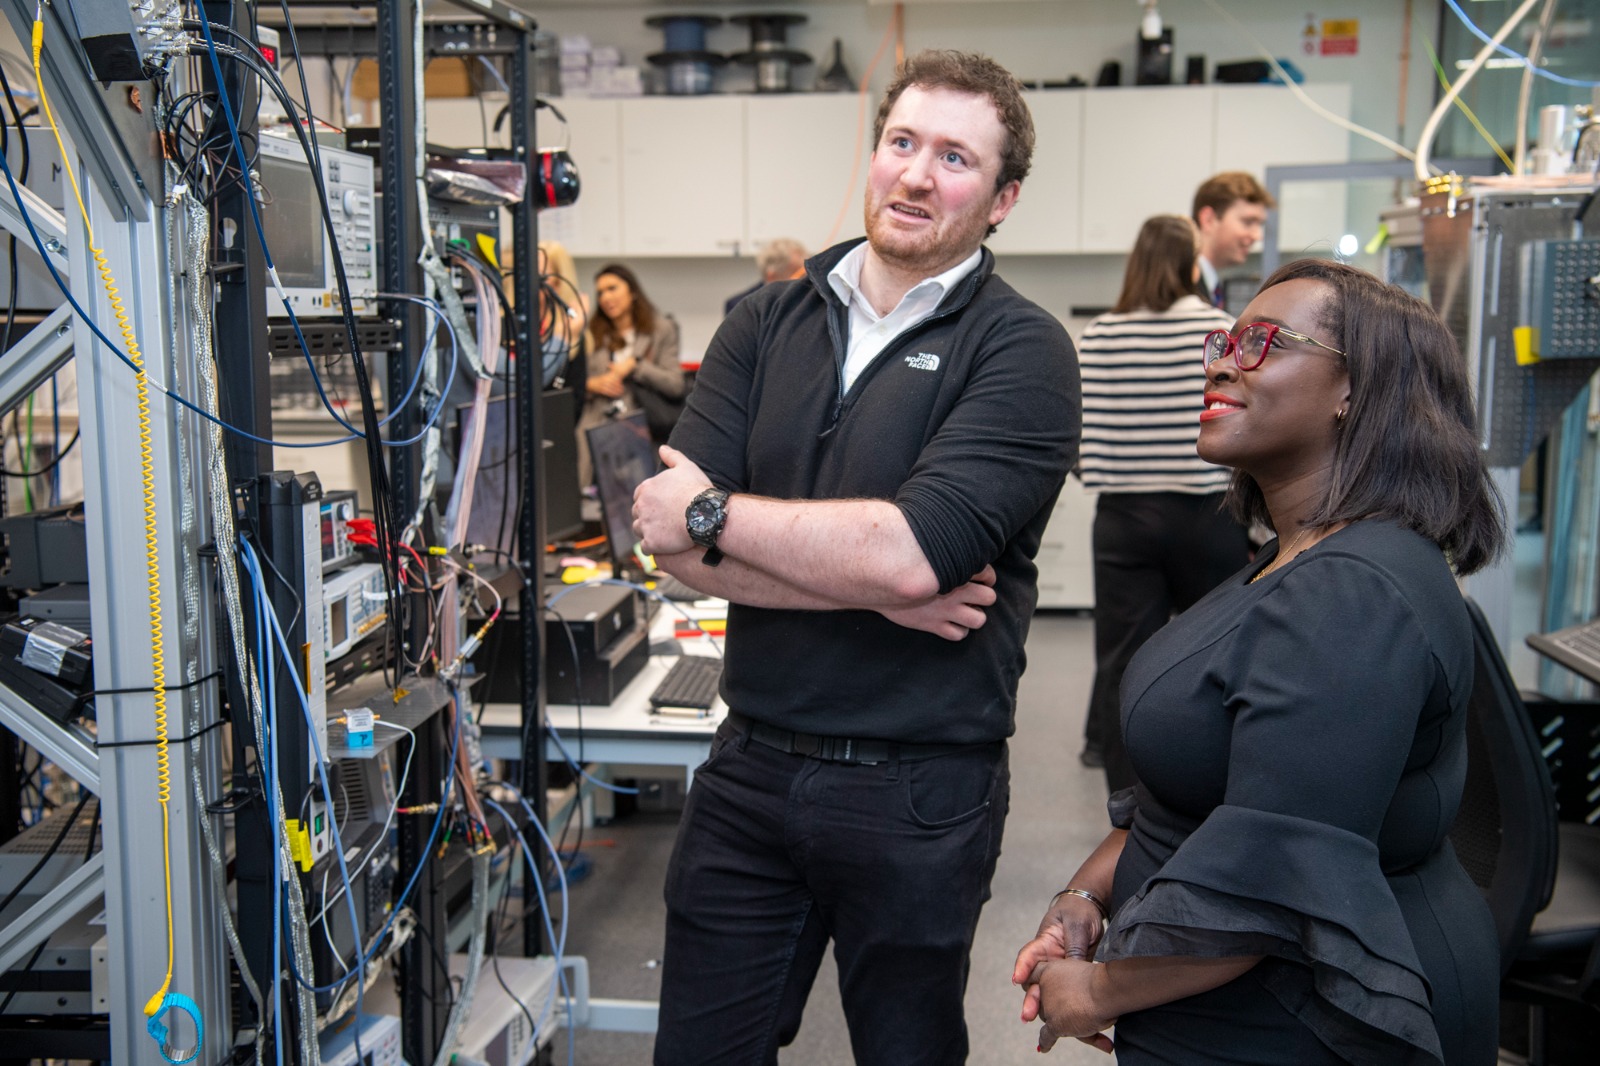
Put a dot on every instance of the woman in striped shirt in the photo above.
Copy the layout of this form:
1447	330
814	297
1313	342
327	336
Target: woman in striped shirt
1161	538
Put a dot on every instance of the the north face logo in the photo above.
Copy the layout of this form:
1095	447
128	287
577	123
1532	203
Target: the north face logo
923	361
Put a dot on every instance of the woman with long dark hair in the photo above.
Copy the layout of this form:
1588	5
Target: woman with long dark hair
634	349
1280	887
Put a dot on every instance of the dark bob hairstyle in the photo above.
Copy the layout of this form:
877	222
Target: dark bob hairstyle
1408	448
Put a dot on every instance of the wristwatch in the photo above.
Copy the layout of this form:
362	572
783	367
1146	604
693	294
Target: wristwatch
704	519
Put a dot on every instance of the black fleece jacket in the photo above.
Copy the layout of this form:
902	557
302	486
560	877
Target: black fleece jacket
968	422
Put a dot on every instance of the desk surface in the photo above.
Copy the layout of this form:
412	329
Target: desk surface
629	716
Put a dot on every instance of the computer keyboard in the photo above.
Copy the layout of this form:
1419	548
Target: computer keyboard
1577	648
691	682
676	590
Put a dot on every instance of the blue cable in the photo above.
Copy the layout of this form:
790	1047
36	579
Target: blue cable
558	944
88	320
255	216
1514	54
247	553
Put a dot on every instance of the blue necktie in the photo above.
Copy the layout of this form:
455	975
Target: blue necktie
1216	295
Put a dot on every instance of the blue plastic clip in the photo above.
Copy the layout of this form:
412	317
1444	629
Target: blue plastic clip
159	1032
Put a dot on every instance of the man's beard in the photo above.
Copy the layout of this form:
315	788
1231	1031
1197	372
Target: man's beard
925	251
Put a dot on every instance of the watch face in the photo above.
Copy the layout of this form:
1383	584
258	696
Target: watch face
702	517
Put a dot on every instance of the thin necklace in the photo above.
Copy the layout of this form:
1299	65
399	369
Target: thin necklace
1281	556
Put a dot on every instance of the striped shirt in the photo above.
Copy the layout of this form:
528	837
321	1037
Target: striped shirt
1143	383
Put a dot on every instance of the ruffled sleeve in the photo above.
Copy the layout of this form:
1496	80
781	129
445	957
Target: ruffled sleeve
1288	865
1120	808
1251	882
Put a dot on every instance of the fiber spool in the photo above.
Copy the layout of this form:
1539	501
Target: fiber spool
685	64
769	50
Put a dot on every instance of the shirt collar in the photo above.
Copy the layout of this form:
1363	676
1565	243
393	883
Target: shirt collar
845	280
1209	274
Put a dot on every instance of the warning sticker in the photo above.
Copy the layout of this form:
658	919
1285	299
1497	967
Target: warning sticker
1340	37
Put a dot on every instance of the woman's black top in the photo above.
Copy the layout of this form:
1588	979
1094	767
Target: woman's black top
1301	747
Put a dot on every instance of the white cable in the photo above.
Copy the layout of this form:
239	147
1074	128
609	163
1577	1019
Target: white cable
388	822
1431	128
1519	160
1289	83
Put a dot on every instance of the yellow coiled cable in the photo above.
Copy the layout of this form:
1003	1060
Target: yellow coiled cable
147	487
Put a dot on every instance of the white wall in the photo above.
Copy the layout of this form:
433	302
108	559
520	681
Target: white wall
1038	42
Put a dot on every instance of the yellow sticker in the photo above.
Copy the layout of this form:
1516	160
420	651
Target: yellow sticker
1525	340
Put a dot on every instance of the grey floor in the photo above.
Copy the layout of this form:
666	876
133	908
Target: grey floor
1057	816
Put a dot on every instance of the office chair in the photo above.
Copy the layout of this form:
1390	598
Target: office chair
1505	831
1540	876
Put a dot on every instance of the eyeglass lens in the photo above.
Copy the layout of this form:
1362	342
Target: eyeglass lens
1249	349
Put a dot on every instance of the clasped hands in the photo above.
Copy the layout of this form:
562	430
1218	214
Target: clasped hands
610	382
1056	974
658	521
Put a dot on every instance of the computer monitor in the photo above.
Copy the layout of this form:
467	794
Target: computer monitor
497	494
623	458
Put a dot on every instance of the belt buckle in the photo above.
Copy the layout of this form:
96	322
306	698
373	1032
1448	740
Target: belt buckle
806	744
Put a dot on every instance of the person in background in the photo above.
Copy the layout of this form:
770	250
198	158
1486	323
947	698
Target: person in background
1231	209
779	260
1280	885
864	471
633	347
563	314
1161	538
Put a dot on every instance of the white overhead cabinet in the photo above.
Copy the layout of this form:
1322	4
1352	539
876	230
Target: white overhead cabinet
805	174
721	175
683	176
1258	126
1048	215
1144	151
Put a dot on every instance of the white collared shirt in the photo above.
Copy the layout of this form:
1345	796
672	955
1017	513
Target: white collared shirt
869	333
1208	276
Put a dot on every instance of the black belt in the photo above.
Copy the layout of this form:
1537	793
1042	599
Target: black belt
837	749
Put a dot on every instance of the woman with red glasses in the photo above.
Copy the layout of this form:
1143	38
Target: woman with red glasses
1279	886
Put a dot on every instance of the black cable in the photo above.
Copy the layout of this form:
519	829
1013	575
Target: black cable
83	699
383	504
5	138
52	464
55	846
498	928
196	735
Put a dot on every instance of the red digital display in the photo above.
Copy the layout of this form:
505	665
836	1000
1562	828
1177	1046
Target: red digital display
270	53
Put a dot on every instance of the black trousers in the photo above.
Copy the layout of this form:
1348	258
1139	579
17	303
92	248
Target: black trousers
1155	554
777	854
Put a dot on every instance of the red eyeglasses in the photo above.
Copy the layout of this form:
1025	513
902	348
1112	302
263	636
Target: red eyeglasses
1251	347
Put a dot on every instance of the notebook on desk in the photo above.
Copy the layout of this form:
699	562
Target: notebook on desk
1576	647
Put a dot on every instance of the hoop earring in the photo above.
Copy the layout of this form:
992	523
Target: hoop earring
1338	416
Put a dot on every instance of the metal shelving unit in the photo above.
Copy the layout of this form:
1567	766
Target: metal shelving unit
114	139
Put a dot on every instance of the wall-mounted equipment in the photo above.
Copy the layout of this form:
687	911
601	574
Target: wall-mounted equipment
301	248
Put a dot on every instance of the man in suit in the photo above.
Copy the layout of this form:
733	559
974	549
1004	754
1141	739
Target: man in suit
1230	208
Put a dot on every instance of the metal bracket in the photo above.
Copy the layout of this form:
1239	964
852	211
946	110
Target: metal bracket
33	926
26	364
66	746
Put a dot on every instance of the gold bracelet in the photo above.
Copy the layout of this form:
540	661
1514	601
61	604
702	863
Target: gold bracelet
1105	915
